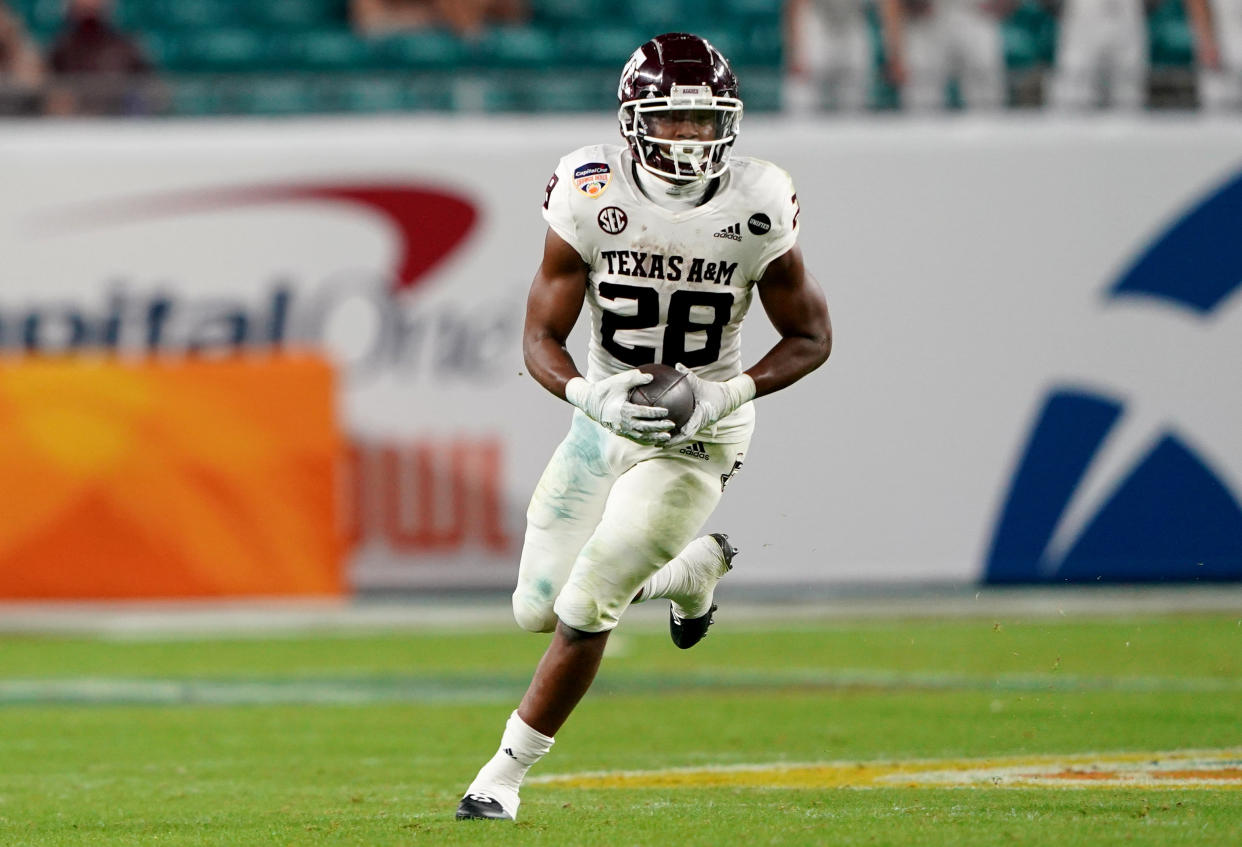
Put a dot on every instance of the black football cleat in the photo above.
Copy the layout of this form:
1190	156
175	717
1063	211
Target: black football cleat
480	807
686	632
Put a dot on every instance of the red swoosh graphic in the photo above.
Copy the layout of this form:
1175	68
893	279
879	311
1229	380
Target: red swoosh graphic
430	223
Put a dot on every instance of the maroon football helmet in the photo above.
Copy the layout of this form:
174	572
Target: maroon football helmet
681	73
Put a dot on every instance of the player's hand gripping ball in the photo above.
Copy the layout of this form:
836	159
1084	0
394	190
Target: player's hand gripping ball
668	388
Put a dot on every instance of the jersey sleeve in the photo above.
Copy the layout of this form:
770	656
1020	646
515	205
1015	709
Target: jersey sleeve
778	187
558	207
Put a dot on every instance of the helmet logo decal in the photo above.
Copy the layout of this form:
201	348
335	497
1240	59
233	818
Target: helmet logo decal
612	220
759	224
592	178
690	96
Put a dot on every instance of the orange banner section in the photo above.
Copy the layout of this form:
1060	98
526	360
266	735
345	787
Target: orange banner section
168	478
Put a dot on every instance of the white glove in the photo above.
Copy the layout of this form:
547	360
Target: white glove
608	403
712	401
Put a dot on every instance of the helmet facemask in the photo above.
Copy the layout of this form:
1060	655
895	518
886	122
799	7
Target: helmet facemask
682	159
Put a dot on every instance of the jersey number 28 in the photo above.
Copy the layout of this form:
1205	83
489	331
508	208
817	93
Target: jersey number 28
679	325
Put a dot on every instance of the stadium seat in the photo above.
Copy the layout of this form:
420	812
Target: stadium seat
655	18
430	92
162	49
370	94
515	47
1030	35
583	92
322	50
760	88
1172	41
600	46
557	13
423	50
733	43
733	10
761	44
1021	49
44	18
222	51
194	97
279	96
194	14
298	14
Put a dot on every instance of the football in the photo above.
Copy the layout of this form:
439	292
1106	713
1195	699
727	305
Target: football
668	388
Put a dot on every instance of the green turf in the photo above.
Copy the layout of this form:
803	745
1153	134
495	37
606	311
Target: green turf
246	741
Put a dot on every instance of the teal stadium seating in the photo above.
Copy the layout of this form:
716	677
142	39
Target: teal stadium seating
231	50
1171	39
599	45
276	57
426	50
278	95
322	49
515	46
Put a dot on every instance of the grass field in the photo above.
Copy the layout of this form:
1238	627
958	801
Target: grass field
369	738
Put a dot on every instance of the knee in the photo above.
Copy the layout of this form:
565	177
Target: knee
582	611
533	613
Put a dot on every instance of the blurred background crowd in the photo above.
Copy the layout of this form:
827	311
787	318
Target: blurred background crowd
226	57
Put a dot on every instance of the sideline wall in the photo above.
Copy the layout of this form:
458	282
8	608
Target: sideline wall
1036	373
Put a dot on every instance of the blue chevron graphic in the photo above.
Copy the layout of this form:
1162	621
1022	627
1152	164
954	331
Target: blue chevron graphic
1172	517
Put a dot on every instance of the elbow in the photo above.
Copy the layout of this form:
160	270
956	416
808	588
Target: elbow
529	353
822	346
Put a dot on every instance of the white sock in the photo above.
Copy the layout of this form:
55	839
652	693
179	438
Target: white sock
501	777
683	579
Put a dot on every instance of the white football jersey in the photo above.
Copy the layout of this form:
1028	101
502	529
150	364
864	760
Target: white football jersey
670	286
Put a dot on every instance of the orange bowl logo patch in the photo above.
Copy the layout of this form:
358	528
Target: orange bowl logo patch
592	178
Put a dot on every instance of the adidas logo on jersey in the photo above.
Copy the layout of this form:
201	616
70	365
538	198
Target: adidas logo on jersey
695	450
734	232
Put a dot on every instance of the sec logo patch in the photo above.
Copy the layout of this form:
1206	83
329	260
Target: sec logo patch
612	220
592	178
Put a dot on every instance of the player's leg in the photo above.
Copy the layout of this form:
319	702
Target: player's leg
564	674
983	60
564	510
857	68
1221	90
1230	38
1128	74
927	66
806	85
1079	47
689	580
653	511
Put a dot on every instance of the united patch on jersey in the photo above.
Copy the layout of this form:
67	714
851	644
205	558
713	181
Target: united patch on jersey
592	178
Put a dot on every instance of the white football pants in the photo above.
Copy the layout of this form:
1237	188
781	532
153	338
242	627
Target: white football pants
840	64
1101	43
955	39
1222	89
607	514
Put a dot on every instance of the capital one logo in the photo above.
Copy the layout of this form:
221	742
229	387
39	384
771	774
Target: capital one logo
363	316
1084	504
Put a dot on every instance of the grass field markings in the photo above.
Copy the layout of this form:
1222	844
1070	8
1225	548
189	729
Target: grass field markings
1179	769
491	687
266	691
933	680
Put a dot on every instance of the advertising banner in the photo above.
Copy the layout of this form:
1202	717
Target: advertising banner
168	478
1035	374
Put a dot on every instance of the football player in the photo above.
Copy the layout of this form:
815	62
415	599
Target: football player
665	240
1217	26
